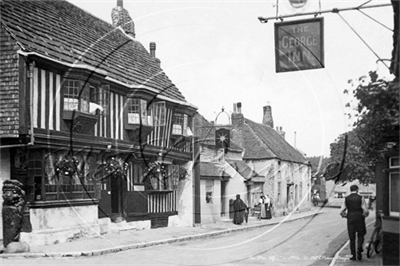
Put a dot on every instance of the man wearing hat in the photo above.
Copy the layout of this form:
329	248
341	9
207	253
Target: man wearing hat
356	213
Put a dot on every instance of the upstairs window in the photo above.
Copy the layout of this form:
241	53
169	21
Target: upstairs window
159	113
134	111
99	99
139	113
177	126
76	96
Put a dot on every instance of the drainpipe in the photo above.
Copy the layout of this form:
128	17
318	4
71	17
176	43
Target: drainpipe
30	77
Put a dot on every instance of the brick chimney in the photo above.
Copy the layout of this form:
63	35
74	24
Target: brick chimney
237	119
120	18
237	116
280	132
153	52
267	118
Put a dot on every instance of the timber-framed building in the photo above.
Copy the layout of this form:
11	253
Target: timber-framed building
90	123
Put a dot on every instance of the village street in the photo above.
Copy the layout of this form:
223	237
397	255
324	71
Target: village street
310	241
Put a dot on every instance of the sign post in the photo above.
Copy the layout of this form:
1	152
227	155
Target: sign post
299	45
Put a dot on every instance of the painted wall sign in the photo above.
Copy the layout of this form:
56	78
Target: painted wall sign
299	45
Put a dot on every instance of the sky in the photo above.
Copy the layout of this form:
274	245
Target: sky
218	53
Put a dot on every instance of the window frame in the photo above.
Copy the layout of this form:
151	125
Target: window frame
209	189
81	92
143	113
393	170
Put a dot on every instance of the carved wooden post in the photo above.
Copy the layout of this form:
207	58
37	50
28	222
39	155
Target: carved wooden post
13	211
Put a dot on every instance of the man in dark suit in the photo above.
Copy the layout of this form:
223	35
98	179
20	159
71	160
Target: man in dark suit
356	213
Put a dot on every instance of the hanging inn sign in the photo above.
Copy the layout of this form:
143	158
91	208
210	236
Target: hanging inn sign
299	45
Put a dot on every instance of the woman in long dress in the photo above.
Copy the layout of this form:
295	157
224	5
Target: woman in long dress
239	208
263	214
268	206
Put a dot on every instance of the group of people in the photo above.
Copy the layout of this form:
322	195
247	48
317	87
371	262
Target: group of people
241	211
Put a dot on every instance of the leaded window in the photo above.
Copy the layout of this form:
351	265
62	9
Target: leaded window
76	96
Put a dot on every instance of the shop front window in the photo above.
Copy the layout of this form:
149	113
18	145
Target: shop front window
68	177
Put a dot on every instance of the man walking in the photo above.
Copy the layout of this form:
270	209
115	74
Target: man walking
356	213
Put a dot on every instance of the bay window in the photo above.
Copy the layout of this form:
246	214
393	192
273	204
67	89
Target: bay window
76	97
159	113
138	112
179	124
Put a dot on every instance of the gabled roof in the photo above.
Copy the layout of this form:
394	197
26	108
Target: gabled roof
62	32
263	142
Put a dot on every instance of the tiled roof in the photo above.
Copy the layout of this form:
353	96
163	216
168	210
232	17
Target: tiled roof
243	169
263	142
9	97
208	169
61	31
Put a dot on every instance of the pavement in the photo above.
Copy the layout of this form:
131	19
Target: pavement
134	239
342	257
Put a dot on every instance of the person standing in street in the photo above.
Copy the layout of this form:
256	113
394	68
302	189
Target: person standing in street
268	206
357	210
239	208
261	202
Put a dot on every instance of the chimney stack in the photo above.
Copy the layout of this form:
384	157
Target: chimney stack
153	49
267	118
280	132
239	107
120	18
237	117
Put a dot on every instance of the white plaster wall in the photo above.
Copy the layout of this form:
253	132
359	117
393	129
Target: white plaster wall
58	218
210	212
60	225
4	175
289	172
234	186
184	199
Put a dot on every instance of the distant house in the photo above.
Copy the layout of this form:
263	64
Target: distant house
285	171
90	123
258	161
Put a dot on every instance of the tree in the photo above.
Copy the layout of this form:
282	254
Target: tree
318	164
378	114
356	164
377	123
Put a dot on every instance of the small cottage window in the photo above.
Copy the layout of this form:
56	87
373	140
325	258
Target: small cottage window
279	191
209	190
